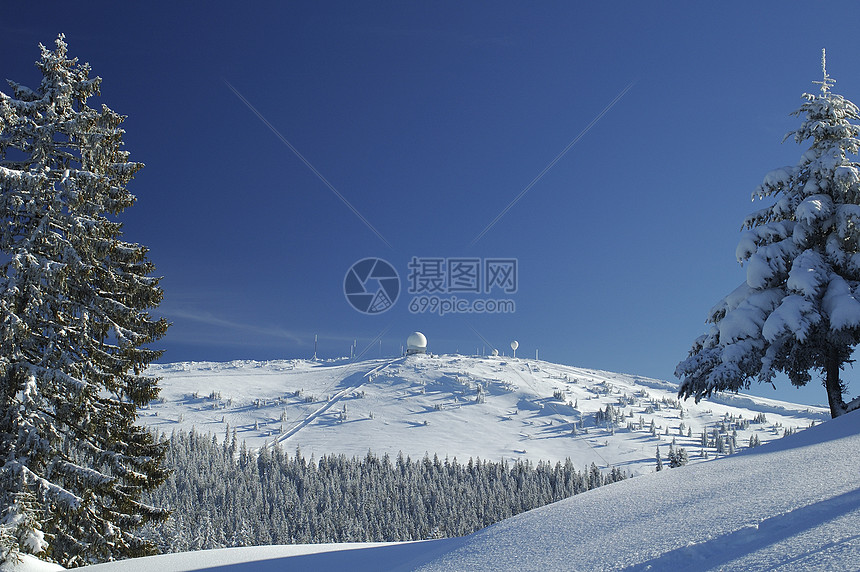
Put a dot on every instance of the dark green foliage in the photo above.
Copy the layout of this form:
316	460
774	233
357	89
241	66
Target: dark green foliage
677	457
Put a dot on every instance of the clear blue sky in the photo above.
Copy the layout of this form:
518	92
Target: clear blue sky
430	118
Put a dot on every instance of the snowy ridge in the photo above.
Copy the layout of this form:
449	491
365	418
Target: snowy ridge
460	406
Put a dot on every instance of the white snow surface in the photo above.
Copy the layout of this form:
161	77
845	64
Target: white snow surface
426	404
27	563
793	504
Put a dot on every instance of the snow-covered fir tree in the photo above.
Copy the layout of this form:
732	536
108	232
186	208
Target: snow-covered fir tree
798	309
677	457
74	327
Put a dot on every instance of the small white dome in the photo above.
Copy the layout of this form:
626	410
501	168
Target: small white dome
416	341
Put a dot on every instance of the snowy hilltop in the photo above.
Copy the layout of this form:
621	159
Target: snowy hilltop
453	406
789	505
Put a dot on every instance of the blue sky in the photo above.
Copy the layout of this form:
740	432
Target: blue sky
430	119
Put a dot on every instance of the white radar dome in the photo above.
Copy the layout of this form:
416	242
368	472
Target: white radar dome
416	343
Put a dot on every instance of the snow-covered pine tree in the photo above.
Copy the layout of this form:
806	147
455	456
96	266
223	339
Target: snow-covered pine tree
677	457
74	328
798	309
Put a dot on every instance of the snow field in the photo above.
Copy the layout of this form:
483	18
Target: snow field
458	406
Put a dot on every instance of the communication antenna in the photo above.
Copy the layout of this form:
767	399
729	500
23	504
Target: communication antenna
514	345
315	347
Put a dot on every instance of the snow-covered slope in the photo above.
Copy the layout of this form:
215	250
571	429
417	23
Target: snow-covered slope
793	505
458	406
790	505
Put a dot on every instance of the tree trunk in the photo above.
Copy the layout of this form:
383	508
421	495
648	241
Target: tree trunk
833	386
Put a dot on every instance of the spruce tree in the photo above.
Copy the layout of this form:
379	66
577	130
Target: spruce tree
798	309
677	457
74	327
